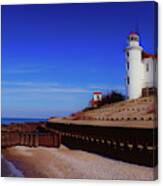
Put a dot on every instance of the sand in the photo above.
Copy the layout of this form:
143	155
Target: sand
65	163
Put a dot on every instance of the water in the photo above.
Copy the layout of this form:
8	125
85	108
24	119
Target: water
8	121
9	169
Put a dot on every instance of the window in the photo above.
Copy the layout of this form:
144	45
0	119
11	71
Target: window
147	67
128	65
155	67
128	80
134	39
127	54
98	97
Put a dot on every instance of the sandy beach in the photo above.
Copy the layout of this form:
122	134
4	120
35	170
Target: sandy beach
65	163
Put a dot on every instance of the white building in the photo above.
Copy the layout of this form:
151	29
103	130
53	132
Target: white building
140	68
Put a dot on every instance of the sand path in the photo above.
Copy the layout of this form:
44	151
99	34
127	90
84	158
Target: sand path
66	163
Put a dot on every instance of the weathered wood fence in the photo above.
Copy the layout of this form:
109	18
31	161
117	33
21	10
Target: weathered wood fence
31	139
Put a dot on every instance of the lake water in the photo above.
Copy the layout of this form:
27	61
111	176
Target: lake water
8	121
8	169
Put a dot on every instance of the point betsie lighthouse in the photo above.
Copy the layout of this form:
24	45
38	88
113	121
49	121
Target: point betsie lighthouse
140	68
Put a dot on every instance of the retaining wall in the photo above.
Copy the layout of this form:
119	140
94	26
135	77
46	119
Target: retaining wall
133	145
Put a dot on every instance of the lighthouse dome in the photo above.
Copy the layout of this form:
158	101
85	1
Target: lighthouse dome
133	36
133	33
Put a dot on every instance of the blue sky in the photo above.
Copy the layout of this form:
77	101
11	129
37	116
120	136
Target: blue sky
55	56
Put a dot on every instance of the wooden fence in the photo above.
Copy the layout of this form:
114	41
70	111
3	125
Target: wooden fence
32	139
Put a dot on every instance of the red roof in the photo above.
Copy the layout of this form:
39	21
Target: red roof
147	55
133	33
97	93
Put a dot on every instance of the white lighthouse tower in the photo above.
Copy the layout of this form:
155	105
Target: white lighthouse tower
140	68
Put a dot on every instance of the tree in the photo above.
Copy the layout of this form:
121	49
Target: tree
112	97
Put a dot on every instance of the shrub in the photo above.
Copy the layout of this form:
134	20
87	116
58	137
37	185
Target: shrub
111	97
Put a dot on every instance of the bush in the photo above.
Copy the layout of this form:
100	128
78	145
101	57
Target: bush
109	98
112	97
87	109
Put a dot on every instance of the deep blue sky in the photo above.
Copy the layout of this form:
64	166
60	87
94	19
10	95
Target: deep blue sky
55	56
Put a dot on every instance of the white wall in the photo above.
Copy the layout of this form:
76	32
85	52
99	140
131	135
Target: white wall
149	79
134	72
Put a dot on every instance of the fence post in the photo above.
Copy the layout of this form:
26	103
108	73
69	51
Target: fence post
36	140
30	140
